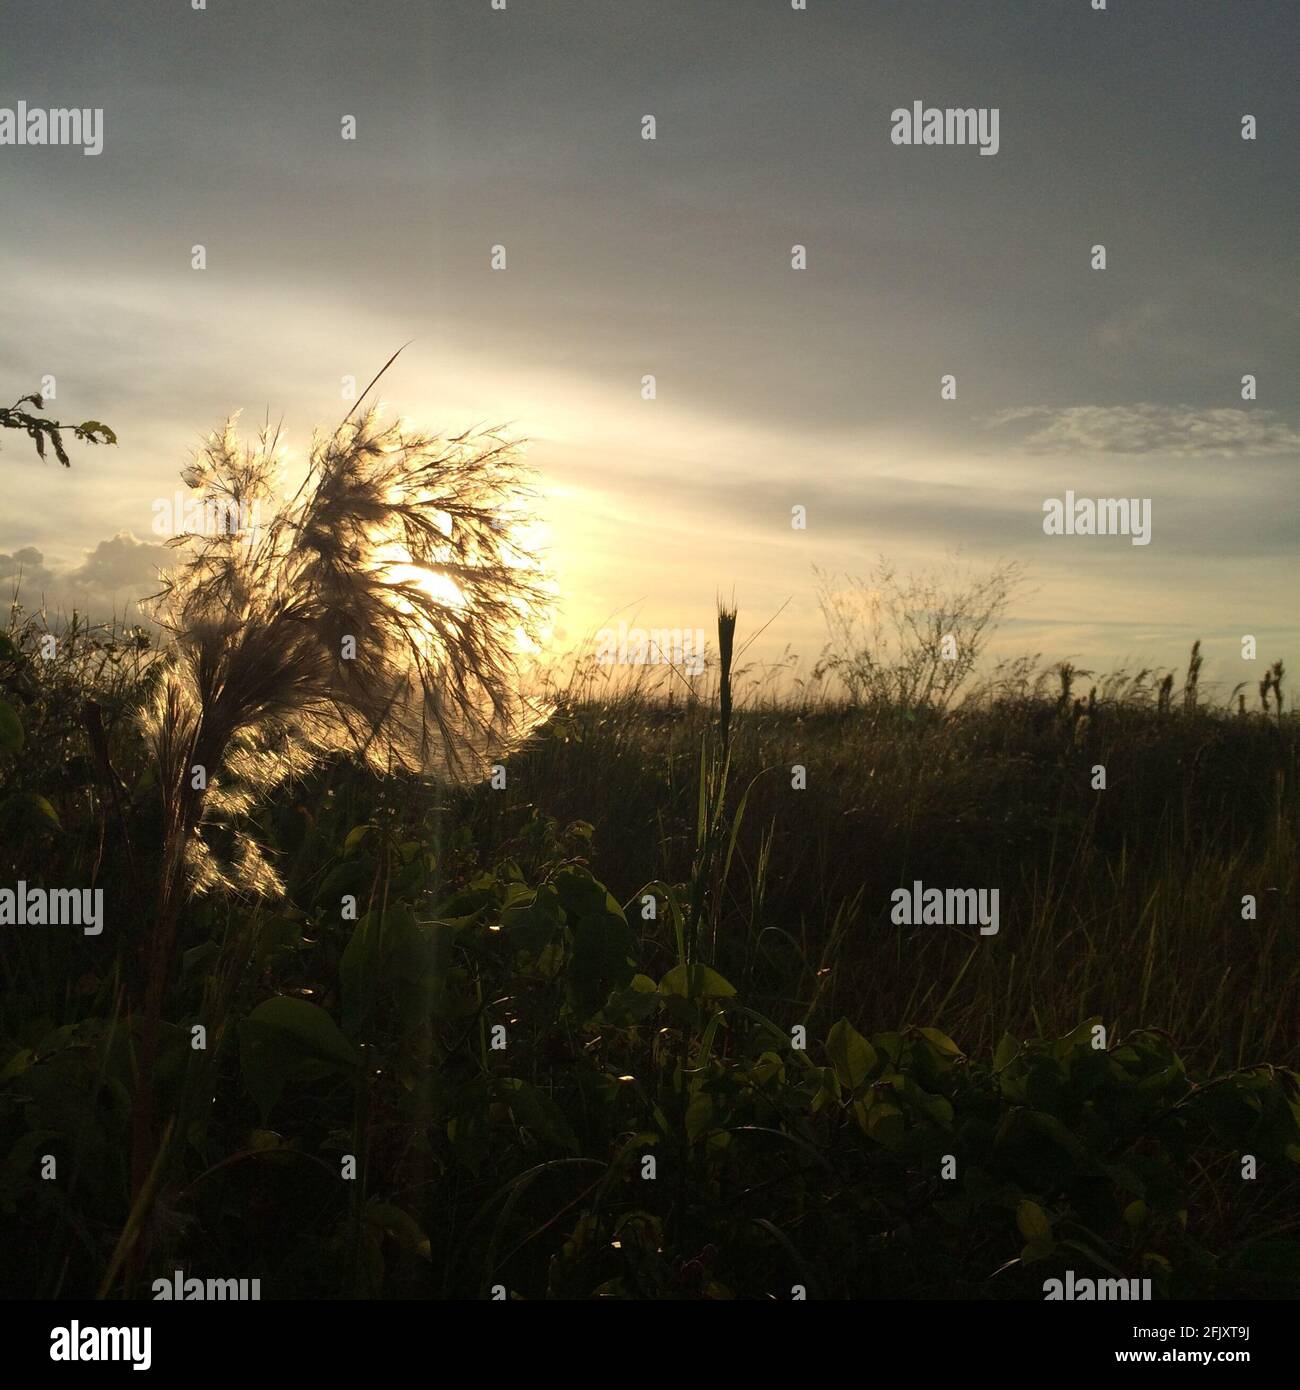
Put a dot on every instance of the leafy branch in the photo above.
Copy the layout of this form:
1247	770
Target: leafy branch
14	417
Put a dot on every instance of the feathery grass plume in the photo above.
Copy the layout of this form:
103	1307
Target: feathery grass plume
375	611
726	648
1066	671
1166	690
1194	663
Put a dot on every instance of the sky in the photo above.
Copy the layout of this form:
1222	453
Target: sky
775	387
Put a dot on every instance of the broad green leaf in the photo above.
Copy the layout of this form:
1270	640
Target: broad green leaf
583	896
355	836
197	957
885	1124
11	729
604	960
399	1226
1033	1222
32	809
296	1023
695	981
851	1054
699	1116
95	432
1040	1122
536	1111
942	1041
289	1039
938	1108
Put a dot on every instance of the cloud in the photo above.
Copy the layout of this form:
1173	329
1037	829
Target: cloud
1178	431
122	563
28	561
114	574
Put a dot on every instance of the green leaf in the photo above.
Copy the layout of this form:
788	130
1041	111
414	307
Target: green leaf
938	1108
885	1124
851	1054
891	1044
30	809
306	1026
1136	1214
604	960
355	836
1006	1052
95	432
285	1039
695	981
11	729
399	1226
633	1004
699	1116
1033	1222
582	896
352	876
197	957
942	1041
1040	1122
535	1110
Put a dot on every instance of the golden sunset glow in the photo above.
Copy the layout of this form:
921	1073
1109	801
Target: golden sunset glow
440	586
532	636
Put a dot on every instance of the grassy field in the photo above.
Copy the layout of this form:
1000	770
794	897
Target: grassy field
638	1023
1124	902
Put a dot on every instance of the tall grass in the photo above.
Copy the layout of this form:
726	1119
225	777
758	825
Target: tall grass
1126	901
371	611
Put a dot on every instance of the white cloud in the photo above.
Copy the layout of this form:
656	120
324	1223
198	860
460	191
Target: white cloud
113	576
1175	431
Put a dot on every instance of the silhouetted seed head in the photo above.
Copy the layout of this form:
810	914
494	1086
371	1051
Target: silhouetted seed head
376	611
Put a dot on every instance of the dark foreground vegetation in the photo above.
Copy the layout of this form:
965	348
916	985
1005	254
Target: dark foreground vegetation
558	1039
